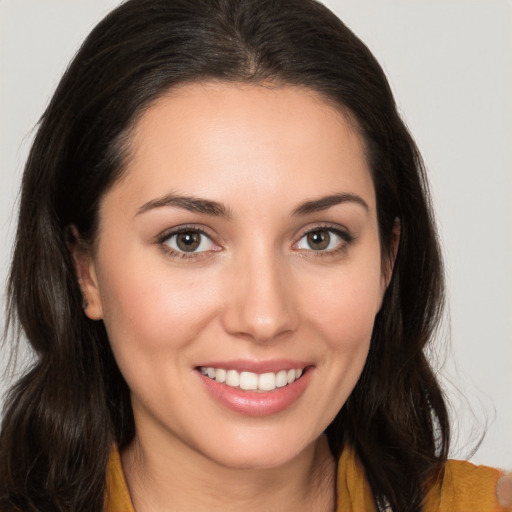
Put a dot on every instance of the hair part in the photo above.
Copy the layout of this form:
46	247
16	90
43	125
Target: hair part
62	417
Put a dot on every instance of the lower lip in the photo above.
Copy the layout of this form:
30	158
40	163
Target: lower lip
252	403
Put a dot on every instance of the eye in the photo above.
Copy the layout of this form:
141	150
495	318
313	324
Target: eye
189	241
323	240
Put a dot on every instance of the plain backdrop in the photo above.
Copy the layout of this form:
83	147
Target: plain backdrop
450	65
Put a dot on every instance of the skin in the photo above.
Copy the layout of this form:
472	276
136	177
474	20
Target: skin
256	291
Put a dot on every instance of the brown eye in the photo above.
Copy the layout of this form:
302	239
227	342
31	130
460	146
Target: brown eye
325	240
318	240
189	241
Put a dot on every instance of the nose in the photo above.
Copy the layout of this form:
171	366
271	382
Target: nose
260	303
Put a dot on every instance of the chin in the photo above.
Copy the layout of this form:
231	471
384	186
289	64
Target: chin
266	454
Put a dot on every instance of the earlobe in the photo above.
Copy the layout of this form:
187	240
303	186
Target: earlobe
85	271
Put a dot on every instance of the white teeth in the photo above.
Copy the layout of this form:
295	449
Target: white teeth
281	379
232	378
250	381
267	381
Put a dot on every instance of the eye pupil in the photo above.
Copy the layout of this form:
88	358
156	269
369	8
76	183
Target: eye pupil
318	240
188	241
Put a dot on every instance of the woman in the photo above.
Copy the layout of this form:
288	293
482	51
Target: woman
228	269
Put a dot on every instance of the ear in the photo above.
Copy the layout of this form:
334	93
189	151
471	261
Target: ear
85	271
388	262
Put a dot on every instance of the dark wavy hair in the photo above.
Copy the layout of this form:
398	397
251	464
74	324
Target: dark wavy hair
62	417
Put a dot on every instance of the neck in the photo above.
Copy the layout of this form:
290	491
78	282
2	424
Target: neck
179	479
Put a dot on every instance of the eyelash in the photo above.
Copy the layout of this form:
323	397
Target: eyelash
164	238
345	235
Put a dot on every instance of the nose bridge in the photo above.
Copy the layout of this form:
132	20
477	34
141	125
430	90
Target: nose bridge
261	305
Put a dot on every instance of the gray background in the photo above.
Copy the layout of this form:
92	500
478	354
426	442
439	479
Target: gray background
449	63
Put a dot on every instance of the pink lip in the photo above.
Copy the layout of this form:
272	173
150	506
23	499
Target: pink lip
253	403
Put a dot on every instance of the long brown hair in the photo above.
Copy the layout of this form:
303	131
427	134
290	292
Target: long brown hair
63	415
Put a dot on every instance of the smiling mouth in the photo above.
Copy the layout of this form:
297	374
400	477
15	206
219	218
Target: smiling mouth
249	381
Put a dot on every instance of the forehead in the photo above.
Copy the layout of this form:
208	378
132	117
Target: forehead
236	141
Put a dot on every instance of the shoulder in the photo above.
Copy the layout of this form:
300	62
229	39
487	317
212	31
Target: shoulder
461	487
464	486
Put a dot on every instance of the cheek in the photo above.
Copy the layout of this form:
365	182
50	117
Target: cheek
344	307
346	323
340	318
148	308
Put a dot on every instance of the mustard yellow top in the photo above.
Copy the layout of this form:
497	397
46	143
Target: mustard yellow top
464	488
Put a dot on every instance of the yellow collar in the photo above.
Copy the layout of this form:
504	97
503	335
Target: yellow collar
464	488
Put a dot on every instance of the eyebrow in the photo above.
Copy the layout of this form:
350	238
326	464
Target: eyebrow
190	203
216	209
323	203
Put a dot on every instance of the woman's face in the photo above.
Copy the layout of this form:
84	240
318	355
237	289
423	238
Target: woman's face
241	242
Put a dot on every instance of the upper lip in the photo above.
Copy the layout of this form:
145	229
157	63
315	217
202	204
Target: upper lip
244	365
